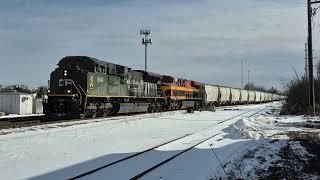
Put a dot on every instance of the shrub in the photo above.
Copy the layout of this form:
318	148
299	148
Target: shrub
297	101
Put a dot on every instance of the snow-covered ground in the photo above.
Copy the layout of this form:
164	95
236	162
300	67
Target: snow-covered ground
241	146
248	149
17	115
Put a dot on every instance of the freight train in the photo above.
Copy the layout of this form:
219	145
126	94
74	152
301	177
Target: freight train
82	86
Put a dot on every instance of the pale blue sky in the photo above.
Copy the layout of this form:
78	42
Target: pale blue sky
202	40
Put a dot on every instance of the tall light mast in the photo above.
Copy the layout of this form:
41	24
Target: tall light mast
145	42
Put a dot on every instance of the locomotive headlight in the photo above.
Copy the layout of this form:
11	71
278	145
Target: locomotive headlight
65	73
69	91
49	91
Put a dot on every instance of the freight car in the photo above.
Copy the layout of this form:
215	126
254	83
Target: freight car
235	95
210	95
82	86
224	95
244	96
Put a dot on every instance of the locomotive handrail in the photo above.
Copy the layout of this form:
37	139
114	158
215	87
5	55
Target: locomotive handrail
74	84
84	92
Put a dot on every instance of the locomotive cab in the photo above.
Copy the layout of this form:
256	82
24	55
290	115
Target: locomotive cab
67	87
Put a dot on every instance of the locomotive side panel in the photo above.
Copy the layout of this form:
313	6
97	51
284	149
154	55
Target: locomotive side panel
106	85
135	84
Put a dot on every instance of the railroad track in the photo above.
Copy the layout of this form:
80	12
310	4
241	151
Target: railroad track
136	159
27	121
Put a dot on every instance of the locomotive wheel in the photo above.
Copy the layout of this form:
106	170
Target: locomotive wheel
82	116
94	114
106	113
115	108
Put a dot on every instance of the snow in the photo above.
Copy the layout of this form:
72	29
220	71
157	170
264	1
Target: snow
65	150
17	115
255	157
244	150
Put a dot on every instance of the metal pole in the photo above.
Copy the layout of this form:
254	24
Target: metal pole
310	58
145	55
242	73
248	76
306	61
145	42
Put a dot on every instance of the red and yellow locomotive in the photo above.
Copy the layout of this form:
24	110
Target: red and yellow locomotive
180	93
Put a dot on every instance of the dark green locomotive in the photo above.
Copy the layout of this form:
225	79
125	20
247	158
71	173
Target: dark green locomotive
84	86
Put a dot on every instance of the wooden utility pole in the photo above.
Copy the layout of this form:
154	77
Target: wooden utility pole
306	74
310	56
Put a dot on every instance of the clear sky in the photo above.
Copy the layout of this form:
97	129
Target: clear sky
203	40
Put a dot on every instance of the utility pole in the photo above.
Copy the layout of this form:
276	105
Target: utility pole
242	73
248	78
145	42
310	56
306	61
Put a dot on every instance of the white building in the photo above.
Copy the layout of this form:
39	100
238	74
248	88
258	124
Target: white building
16	103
